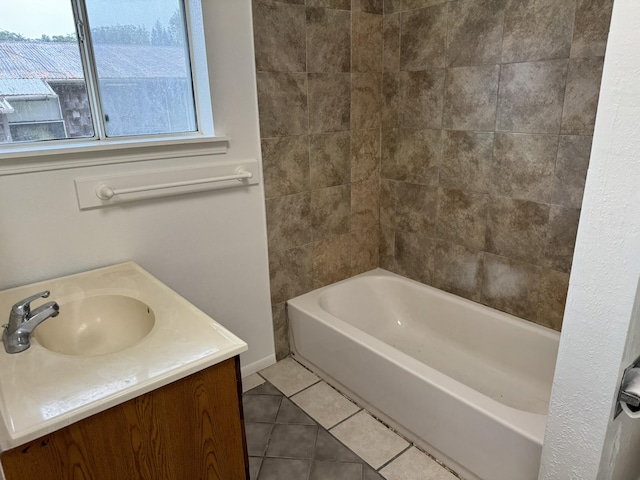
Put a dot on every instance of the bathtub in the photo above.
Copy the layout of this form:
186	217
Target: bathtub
467	383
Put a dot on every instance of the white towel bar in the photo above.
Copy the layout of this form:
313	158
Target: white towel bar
107	192
111	190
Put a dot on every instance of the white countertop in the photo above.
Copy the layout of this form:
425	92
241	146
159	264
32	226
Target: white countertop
42	391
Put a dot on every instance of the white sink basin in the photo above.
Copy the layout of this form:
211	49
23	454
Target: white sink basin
96	325
120	333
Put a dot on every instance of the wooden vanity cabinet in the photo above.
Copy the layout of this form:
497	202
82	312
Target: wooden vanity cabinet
191	429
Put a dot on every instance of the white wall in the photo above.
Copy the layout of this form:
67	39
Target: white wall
210	247
604	283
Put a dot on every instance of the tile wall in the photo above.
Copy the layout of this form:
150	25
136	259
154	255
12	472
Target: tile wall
319	67
487	121
447	141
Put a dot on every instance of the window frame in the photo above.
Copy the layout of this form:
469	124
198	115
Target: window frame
70	153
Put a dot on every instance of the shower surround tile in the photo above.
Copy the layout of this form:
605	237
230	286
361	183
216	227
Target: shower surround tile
387	239
523	166
414	256
365	205
467	158
390	99
331	211
369	6
391	43
591	28
285	164
473	102
331	260
537	30
329	158
421	99
531	97
290	273
367	42
365	155
416	208
392	6
553	296
365	250
413	4
511	286
339	4
462	218
506	145
279	31
582	94
517	229
474	32
411	155
388	203
458	270
366	101
320	94
329	102
561	237
281	325
289	220
470	98
571	170
328	40
282	100
423	38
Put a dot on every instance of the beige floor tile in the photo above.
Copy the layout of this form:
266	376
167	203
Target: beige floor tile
289	376
415	465
324	404
370	439
252	381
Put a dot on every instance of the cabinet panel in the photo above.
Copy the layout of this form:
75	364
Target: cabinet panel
191	429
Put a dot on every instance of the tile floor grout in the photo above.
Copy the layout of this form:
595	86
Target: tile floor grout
329	430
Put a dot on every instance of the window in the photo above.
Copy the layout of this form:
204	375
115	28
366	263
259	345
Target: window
94	69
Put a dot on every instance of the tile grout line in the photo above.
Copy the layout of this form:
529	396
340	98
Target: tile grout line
360	409
392	459
302	390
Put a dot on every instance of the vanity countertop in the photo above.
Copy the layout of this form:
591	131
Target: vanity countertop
42	391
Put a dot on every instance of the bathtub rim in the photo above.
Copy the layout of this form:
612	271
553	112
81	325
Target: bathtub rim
530	425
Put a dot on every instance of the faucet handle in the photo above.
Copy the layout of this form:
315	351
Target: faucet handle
23	307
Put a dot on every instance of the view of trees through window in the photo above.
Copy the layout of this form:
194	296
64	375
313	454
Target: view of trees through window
141	61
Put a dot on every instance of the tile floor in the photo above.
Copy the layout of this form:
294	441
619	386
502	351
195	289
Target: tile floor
300	428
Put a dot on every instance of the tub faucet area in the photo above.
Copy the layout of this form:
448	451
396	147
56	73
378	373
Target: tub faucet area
22	321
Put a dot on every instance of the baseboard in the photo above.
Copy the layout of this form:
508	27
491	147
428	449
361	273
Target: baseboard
254	367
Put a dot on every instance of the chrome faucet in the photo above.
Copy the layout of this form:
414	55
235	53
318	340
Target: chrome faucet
22	321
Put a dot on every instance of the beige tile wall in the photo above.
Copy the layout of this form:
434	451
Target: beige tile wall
488	114
319	68
445	140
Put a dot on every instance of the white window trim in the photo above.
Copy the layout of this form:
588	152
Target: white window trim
74	153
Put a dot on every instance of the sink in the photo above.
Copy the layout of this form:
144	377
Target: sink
96	325
120	333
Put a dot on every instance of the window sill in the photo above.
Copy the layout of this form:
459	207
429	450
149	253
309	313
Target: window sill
64	155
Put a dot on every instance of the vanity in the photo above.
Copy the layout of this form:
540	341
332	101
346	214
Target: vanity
129	381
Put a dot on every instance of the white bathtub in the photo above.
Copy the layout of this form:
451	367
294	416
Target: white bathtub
469	384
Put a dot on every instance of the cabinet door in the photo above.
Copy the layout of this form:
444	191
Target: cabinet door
191	429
